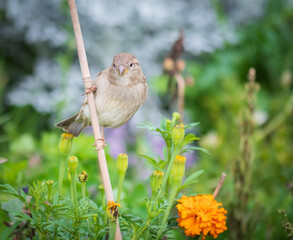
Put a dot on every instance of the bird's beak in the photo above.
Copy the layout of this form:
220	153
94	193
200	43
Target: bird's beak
122	70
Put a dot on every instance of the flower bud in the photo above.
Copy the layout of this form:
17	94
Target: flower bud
175	117
156	180
72	163
112	211
178	168
122	163
50	183
168	124
65	143
82	177
178	134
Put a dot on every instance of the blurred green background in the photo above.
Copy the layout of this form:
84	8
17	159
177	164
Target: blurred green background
40	84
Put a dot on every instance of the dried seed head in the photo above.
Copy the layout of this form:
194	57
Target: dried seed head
168	64
112	211
82	177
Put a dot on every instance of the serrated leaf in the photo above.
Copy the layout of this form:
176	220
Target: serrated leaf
21	216
6	188
9	230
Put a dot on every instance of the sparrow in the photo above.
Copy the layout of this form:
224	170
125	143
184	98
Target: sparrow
119	91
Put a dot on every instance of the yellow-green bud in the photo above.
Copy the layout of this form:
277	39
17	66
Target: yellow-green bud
175	117
156	180
82	177
101	187
122	163
178	168
72	163
49	183
168	124
178	134
112	211
65	143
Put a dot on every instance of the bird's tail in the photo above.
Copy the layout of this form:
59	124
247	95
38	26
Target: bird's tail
73	125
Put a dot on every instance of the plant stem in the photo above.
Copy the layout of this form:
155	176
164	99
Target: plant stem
73	187
83	190
143	230
165	179
120	184
167	212
112	228
49	194
61	174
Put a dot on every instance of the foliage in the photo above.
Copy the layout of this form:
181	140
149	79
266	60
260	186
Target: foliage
45	213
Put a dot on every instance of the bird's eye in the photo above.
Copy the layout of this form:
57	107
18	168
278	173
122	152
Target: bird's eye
113	64
130	64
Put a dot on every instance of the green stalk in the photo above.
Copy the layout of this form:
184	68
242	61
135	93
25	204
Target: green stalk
61	174
167	212
73	187
112	228
165	179
120	184
83	190
49	194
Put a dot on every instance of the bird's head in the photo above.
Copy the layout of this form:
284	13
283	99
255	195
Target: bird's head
124	64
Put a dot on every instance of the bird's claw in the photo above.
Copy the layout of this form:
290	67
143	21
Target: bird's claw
90	90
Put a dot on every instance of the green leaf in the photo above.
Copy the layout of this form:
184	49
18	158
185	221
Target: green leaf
192	177
148	126
162	164
198	149
6	188
191	125
8	231
189	138
152	161
21	216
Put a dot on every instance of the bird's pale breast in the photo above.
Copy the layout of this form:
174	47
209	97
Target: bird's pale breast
117	104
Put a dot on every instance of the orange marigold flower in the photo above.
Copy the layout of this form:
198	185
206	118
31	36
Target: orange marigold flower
201	214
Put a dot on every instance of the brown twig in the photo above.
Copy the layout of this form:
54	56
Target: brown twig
220	183
91	103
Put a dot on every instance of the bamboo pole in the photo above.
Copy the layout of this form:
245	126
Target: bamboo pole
91	103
